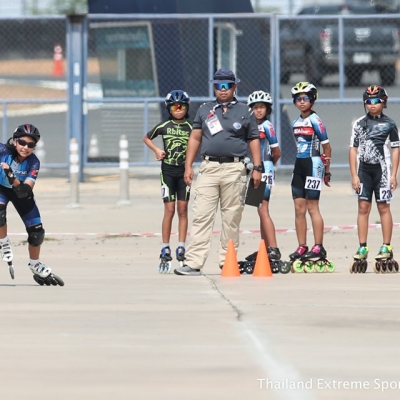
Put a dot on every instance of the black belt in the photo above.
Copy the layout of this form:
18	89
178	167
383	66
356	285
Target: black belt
222	160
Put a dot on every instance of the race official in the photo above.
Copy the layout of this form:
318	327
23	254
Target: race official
223	130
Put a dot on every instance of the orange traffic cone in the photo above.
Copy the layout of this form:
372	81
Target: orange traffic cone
58	67
262	267
231	265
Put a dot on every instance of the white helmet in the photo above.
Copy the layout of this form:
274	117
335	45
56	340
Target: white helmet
259	97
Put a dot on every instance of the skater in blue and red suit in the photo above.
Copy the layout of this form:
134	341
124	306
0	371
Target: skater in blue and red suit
310	171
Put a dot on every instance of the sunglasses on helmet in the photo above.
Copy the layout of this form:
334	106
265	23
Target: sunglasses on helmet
224	85
176	107
23	143
374	101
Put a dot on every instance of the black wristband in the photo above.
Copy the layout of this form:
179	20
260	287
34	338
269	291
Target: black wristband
258	168
10	175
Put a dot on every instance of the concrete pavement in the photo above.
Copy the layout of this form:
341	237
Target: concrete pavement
119	330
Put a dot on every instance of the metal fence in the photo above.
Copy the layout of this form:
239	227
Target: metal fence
115	70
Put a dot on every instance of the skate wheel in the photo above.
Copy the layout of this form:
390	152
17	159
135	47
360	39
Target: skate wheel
275	266
395	266
319	266
390	266
285	267
377	267
298	266
364	266
165	267
11	270
353	267
56	280
384	267
38	279
330	266
309	267
241	266
249	268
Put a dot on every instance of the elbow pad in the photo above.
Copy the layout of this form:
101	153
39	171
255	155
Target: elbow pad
23	191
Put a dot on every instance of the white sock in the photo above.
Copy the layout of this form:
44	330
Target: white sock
4	240
33	262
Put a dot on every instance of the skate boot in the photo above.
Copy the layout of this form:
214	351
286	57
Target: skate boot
359	263
315	260
7	255
277	265
247	266
294	259
43	275
165	261
384	261
180	255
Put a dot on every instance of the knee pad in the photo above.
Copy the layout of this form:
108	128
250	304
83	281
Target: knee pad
3	214
35	235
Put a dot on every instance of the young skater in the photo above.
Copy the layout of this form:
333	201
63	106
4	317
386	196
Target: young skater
175	135
260	103
20	168
374	161
310	170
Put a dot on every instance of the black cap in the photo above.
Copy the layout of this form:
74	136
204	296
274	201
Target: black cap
224	75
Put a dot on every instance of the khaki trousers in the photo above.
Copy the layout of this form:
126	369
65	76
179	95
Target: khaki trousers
216	184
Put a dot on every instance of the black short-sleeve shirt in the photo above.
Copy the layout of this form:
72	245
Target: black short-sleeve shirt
238	126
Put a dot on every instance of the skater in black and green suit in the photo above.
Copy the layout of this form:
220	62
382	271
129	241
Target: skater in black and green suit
175	135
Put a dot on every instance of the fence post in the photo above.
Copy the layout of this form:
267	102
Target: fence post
124	171
74	172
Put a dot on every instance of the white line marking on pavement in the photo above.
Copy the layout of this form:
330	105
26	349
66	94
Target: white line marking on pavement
276	371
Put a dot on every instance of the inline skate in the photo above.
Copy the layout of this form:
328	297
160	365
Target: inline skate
360	263
313	260
180	255
384	261
165	261
274	256
7	255
295	256
43	275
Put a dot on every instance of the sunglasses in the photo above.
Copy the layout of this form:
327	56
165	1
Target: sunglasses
225	85
23	143
374	101
176	107
305	98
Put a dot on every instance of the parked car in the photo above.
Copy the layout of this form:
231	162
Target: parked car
311	45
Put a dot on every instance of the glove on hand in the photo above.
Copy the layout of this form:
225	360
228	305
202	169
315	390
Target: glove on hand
327	178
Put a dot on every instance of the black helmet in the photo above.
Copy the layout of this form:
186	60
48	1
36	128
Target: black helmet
27	130
177	97
375	92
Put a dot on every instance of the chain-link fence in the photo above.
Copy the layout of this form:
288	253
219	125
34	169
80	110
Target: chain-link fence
133	61
32	84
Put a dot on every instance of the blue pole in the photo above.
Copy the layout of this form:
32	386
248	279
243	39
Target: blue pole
76	82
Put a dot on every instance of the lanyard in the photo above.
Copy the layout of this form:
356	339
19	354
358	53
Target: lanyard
212	112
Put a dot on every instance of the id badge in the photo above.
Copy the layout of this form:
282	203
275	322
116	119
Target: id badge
313	183
214	125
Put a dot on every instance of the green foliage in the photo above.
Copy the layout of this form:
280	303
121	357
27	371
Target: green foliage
58	7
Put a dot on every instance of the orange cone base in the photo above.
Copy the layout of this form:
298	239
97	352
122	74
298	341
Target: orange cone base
262	269
231	265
